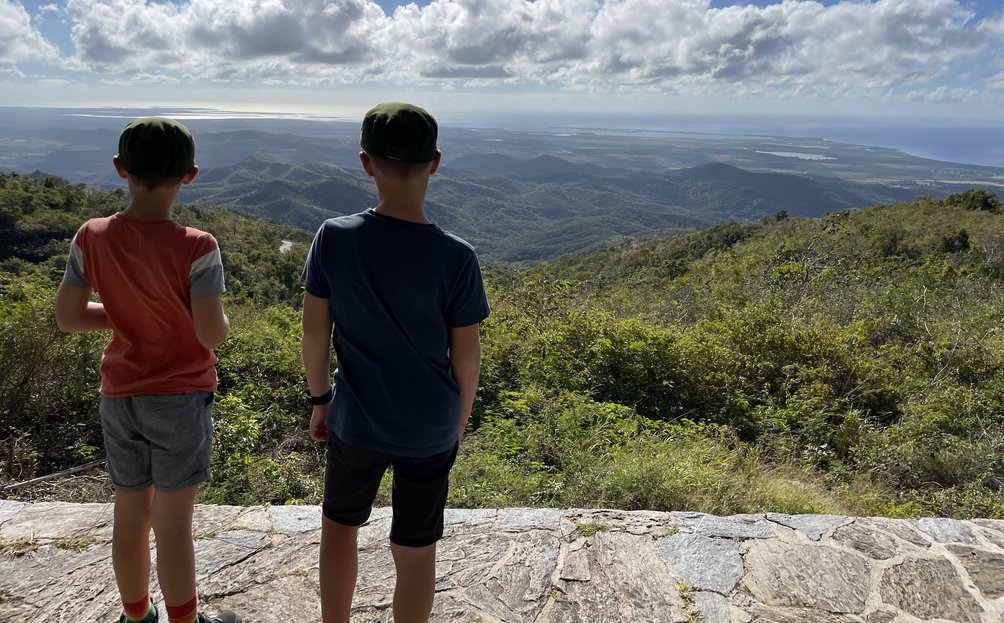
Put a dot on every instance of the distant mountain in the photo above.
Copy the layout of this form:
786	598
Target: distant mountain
531	217
541	168
299	195
226	147
723	192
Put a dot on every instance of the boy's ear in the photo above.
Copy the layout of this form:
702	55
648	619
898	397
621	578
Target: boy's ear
187	179
367	163
119	168
435	161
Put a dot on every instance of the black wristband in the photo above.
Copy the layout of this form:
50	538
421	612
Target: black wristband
323	399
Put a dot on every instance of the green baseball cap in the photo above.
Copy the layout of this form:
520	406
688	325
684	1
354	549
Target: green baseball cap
156	146
399	131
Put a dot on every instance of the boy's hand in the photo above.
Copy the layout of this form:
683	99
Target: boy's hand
318	429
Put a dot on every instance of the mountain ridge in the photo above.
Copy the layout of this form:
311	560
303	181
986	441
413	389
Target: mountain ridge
523	219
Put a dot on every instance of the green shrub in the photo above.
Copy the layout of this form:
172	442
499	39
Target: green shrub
48	384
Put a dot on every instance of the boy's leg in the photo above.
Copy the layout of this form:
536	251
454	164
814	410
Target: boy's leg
131	543
416	582
339	562
179	427
128	464
419	498
351	479
171	517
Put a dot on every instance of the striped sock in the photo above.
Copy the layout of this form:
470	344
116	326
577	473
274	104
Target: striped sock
186	613
142	611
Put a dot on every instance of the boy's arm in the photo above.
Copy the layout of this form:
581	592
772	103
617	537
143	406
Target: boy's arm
465	363
316	349
76	312
211	324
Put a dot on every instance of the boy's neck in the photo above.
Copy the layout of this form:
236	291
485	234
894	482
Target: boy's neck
148	211
405	212
154	204
403	199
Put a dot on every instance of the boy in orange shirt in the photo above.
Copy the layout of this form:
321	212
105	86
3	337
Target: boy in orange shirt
160	285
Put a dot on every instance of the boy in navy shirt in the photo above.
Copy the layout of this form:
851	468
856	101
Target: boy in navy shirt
405	300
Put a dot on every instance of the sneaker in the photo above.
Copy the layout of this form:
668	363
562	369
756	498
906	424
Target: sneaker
156	616
227	616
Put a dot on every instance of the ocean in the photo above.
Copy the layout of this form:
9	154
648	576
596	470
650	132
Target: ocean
969	141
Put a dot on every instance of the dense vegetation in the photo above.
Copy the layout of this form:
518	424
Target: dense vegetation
851	363
533	210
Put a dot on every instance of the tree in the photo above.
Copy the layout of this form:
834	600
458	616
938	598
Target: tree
974	199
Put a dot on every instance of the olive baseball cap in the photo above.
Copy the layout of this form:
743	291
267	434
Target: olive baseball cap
399	131
156	146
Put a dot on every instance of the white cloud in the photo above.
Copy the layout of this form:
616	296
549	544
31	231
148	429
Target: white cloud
293	40
19	40
945	94
143	79
794	48
9	71
44	11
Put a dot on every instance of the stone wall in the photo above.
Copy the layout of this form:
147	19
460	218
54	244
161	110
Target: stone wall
539	565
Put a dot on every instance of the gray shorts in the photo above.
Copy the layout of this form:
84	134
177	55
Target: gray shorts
165	441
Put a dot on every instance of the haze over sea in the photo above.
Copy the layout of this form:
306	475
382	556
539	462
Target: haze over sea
977	141
969	141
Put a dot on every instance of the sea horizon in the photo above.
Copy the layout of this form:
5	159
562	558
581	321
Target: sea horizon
969	141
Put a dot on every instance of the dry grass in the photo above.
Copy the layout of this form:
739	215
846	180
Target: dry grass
19	547
77	543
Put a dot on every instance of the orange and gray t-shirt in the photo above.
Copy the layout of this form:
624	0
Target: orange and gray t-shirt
146	274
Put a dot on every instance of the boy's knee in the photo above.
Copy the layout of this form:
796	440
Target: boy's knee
407	555
338	530
132	508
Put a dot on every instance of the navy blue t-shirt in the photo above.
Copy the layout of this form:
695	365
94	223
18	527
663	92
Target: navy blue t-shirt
395	288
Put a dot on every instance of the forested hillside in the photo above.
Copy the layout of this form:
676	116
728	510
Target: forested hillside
538	209
851	363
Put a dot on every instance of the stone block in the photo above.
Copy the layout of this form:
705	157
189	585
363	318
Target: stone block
733	527
984	567
703	563
58	520
813	576
812	526
870	542
771	614
295	519
212	518
628	581
944	530
929	589
526	519
899	528
713	607
8	509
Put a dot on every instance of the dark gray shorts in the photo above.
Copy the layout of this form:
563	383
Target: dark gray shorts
165	441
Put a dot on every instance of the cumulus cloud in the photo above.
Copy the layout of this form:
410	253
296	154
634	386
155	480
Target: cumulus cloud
794	47
19	40
222	39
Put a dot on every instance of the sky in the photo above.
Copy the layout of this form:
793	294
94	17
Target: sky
470	59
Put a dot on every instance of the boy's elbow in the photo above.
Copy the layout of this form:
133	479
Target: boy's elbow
211	341
62	323
66	320
65	308
213	337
